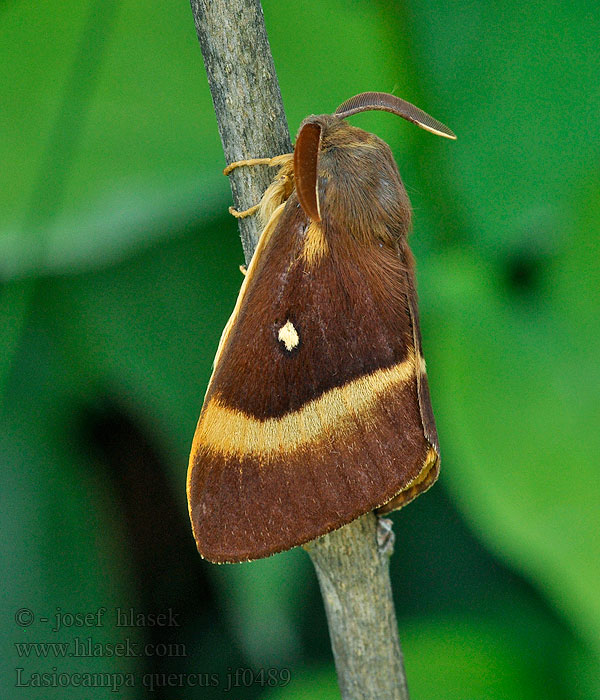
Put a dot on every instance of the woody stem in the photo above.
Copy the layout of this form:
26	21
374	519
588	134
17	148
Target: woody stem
246	97
353	573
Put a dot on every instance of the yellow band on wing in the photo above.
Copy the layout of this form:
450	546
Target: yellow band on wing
232	432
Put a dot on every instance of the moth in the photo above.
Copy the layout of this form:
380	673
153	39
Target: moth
318	407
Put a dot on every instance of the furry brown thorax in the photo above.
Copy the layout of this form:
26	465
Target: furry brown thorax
359	187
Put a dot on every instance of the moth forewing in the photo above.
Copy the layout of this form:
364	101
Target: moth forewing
318	408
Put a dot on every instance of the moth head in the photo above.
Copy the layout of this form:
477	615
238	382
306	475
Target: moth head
359	165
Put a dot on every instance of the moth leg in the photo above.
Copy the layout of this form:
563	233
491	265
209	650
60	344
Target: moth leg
271	162
278	191
243	270
385	536
245	213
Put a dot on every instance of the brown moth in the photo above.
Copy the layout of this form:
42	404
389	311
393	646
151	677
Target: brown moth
318	407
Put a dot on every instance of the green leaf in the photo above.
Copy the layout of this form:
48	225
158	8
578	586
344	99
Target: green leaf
510	312
260	601
516	400
120	144
63	549
120	138
309	684
463	658
510	78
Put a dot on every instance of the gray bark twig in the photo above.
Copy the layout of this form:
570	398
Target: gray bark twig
246	96
352	572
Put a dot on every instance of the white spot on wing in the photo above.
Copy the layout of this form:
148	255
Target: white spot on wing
288	335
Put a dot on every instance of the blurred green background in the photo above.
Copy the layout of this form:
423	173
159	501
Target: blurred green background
119	268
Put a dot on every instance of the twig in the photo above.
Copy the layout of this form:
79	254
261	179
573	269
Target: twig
352	572
246	96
